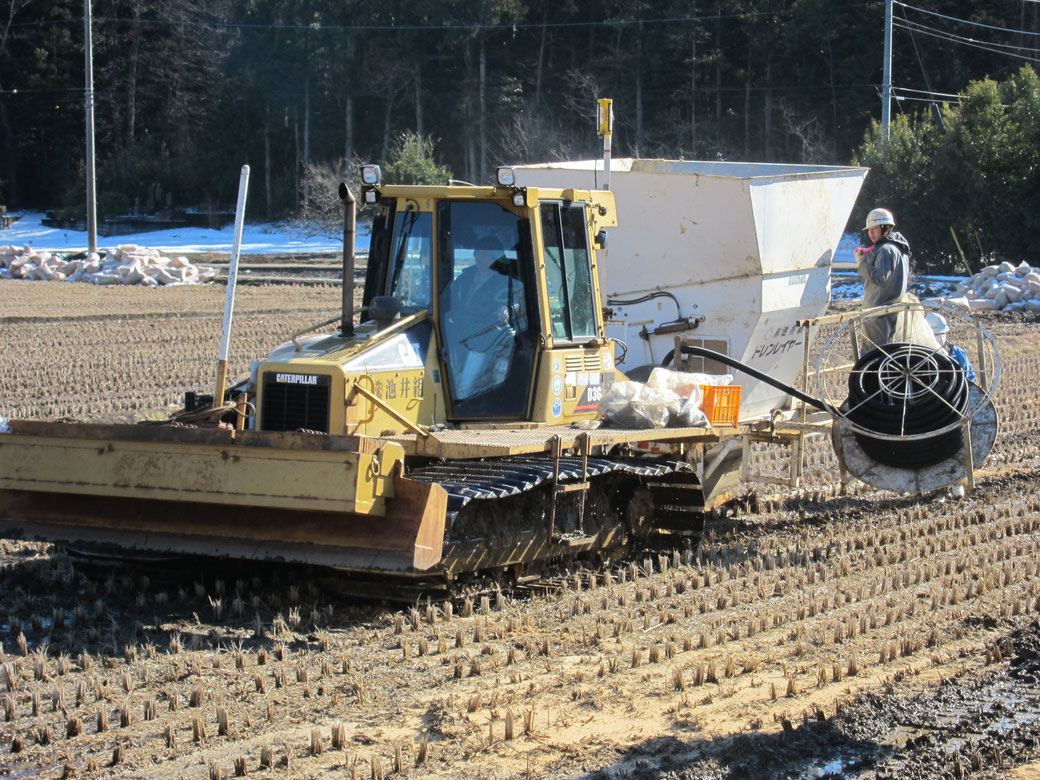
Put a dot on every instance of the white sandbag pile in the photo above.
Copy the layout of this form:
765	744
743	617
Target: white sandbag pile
1003	287
128	264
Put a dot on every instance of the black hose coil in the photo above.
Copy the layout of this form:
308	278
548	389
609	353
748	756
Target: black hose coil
903	389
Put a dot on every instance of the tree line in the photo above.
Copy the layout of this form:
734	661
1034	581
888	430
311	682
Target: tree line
189	90
965	186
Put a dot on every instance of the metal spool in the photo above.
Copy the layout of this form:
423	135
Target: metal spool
911	420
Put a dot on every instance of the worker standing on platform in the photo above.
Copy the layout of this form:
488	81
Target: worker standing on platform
885	269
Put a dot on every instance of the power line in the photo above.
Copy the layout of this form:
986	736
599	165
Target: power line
319	27
924	71
966	21
946	37
924	99
44	23
917	26
929	92
41	91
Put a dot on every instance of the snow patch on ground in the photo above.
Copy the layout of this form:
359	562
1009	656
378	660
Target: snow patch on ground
262	238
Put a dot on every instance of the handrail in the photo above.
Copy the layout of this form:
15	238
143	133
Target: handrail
375	399
310	329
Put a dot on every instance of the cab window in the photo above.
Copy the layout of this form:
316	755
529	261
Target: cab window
572	313
410	277
486	308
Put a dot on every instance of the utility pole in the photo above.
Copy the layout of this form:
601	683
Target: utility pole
886	76
91	188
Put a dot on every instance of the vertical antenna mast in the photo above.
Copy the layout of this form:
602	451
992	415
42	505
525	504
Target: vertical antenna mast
605	128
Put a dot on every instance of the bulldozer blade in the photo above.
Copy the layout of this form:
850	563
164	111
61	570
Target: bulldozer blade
288	497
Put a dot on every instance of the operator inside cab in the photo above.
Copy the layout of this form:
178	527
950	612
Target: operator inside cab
483	315
483	311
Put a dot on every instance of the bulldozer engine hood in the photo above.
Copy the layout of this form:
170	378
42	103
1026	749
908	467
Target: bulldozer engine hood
314	387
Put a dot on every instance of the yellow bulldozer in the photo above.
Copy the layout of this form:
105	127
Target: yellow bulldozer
456	428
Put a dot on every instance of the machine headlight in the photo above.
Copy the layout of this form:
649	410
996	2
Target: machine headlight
506	177
519	198
371	175
370	196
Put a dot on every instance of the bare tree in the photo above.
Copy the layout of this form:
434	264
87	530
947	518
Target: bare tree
321	210
808	132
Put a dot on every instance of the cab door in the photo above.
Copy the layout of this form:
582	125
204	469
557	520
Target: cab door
487	310
572	296
578	365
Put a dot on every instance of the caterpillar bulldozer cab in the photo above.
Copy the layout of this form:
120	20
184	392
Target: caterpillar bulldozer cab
477	301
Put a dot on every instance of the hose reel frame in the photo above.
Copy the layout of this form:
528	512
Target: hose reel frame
958	445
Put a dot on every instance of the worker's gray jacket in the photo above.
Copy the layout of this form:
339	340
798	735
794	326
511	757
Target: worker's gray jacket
885	270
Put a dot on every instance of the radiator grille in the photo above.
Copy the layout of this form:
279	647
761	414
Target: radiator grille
293	401
585	361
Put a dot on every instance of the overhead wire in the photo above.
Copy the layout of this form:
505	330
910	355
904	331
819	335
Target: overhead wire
924	72
993	47
321	27
966	21
930	92
955	38
925	100
991	50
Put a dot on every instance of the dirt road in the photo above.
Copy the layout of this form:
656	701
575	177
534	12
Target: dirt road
858	634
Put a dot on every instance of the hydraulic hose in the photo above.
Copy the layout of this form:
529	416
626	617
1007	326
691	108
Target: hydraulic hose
895	390
711	354
909	390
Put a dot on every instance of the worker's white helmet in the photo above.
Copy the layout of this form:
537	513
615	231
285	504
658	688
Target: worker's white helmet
937	322
879	217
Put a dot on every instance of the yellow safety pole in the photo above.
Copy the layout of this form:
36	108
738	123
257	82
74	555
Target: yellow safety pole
605	128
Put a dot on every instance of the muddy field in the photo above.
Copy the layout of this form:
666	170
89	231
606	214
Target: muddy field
813	633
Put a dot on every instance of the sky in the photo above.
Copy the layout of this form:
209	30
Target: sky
281	238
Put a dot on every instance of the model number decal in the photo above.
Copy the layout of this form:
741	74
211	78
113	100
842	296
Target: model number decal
593	392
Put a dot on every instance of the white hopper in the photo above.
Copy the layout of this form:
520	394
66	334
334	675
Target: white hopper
746	246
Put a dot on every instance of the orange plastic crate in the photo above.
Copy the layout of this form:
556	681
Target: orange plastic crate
721	404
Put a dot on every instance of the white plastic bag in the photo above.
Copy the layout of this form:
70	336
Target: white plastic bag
690	414
669	398
687	385
912	327
635	405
